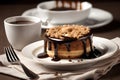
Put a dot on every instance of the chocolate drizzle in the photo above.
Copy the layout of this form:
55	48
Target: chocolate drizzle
84	45
90	43
48	42
49	45
68	46
56	58
87	55
45	45
44	54
73	5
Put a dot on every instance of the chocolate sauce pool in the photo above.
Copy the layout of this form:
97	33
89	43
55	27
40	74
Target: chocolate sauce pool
94	53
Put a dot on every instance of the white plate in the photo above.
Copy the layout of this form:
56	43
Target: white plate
97	17
108	47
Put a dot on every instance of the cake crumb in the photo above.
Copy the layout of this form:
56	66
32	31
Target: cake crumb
69	31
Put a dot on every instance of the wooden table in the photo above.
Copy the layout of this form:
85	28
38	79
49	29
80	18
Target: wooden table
109	31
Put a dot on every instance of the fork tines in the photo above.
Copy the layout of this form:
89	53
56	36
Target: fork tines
11	55
13	58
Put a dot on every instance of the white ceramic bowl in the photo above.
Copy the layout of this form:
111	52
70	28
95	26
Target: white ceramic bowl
62	17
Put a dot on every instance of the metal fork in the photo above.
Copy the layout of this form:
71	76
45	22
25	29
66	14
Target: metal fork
13	58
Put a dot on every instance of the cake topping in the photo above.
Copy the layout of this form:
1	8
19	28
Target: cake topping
69	31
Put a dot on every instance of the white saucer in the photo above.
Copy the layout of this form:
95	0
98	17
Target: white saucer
97	17
108	47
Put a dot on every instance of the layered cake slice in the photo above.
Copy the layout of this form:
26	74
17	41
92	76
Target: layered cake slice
68	42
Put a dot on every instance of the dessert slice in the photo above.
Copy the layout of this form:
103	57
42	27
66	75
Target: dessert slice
68	42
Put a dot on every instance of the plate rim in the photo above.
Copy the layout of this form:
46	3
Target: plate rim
103	23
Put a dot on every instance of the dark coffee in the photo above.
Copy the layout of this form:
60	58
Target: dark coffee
62	9
22	22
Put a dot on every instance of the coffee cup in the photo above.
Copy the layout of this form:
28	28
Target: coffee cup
60	13
22	30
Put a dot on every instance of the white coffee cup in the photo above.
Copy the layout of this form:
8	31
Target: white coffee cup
22	30
63	17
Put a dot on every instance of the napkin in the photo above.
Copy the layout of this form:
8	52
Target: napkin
94	72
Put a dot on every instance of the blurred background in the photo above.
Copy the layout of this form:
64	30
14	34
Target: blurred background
37	1
17	7
103	4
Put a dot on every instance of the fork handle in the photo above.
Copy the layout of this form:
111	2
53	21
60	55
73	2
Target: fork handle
28	72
